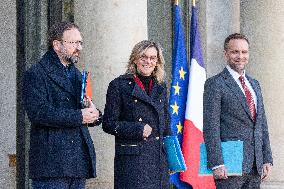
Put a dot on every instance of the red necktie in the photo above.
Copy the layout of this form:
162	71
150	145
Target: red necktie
249	98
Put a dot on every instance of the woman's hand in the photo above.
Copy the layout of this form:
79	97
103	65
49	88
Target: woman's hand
147	131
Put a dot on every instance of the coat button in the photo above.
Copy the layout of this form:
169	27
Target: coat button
72	141
129	82
140	119
135	101
160	100
157	138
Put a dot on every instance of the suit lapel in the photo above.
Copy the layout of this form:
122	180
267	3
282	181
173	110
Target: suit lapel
62	81
152	97
156	91
141	94
78	79
234	87
56	73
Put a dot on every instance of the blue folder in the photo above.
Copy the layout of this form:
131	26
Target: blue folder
83	89
175	158
232	152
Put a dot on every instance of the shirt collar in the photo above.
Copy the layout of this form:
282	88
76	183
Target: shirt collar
235	74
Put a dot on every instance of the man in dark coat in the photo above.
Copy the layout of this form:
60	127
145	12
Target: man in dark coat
136	113
62	153
234	110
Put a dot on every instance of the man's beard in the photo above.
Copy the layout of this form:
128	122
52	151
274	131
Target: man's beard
72	59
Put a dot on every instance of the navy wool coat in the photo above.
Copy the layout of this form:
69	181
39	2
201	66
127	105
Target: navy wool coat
60	145
139	164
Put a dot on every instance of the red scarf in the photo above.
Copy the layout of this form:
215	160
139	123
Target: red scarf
140	84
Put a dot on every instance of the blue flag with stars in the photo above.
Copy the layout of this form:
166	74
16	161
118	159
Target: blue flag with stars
179	85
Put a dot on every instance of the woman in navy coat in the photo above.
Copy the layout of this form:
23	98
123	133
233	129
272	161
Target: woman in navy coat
136	113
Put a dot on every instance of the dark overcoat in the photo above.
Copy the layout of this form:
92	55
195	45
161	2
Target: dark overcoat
139	164
227	117
60	145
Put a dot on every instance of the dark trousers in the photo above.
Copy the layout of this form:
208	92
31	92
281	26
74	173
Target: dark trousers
59	183
247	181
251	180
239	182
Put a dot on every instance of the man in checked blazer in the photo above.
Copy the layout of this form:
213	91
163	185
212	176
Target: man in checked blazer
234	110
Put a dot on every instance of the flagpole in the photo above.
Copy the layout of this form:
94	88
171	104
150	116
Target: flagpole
193	3
176	2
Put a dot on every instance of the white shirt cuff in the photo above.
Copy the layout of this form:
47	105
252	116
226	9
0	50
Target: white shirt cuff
216	167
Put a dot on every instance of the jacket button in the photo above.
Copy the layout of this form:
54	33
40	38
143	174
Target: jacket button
129	82
72	141
160	100
140	119
135	100
157	138
67	98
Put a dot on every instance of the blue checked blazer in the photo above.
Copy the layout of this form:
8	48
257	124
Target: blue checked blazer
227	117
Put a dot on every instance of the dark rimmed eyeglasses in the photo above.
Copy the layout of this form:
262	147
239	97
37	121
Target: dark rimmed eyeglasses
74	43
144	58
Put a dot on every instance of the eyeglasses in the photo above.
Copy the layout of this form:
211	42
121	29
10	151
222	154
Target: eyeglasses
144	58
74	43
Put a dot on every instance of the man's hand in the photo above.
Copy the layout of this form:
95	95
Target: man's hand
147	131
220	173
88	102
90	114
266	169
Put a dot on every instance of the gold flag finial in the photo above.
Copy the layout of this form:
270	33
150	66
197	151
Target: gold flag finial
176	2
193	3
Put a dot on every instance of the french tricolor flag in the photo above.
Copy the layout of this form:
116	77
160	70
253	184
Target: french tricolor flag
193	125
